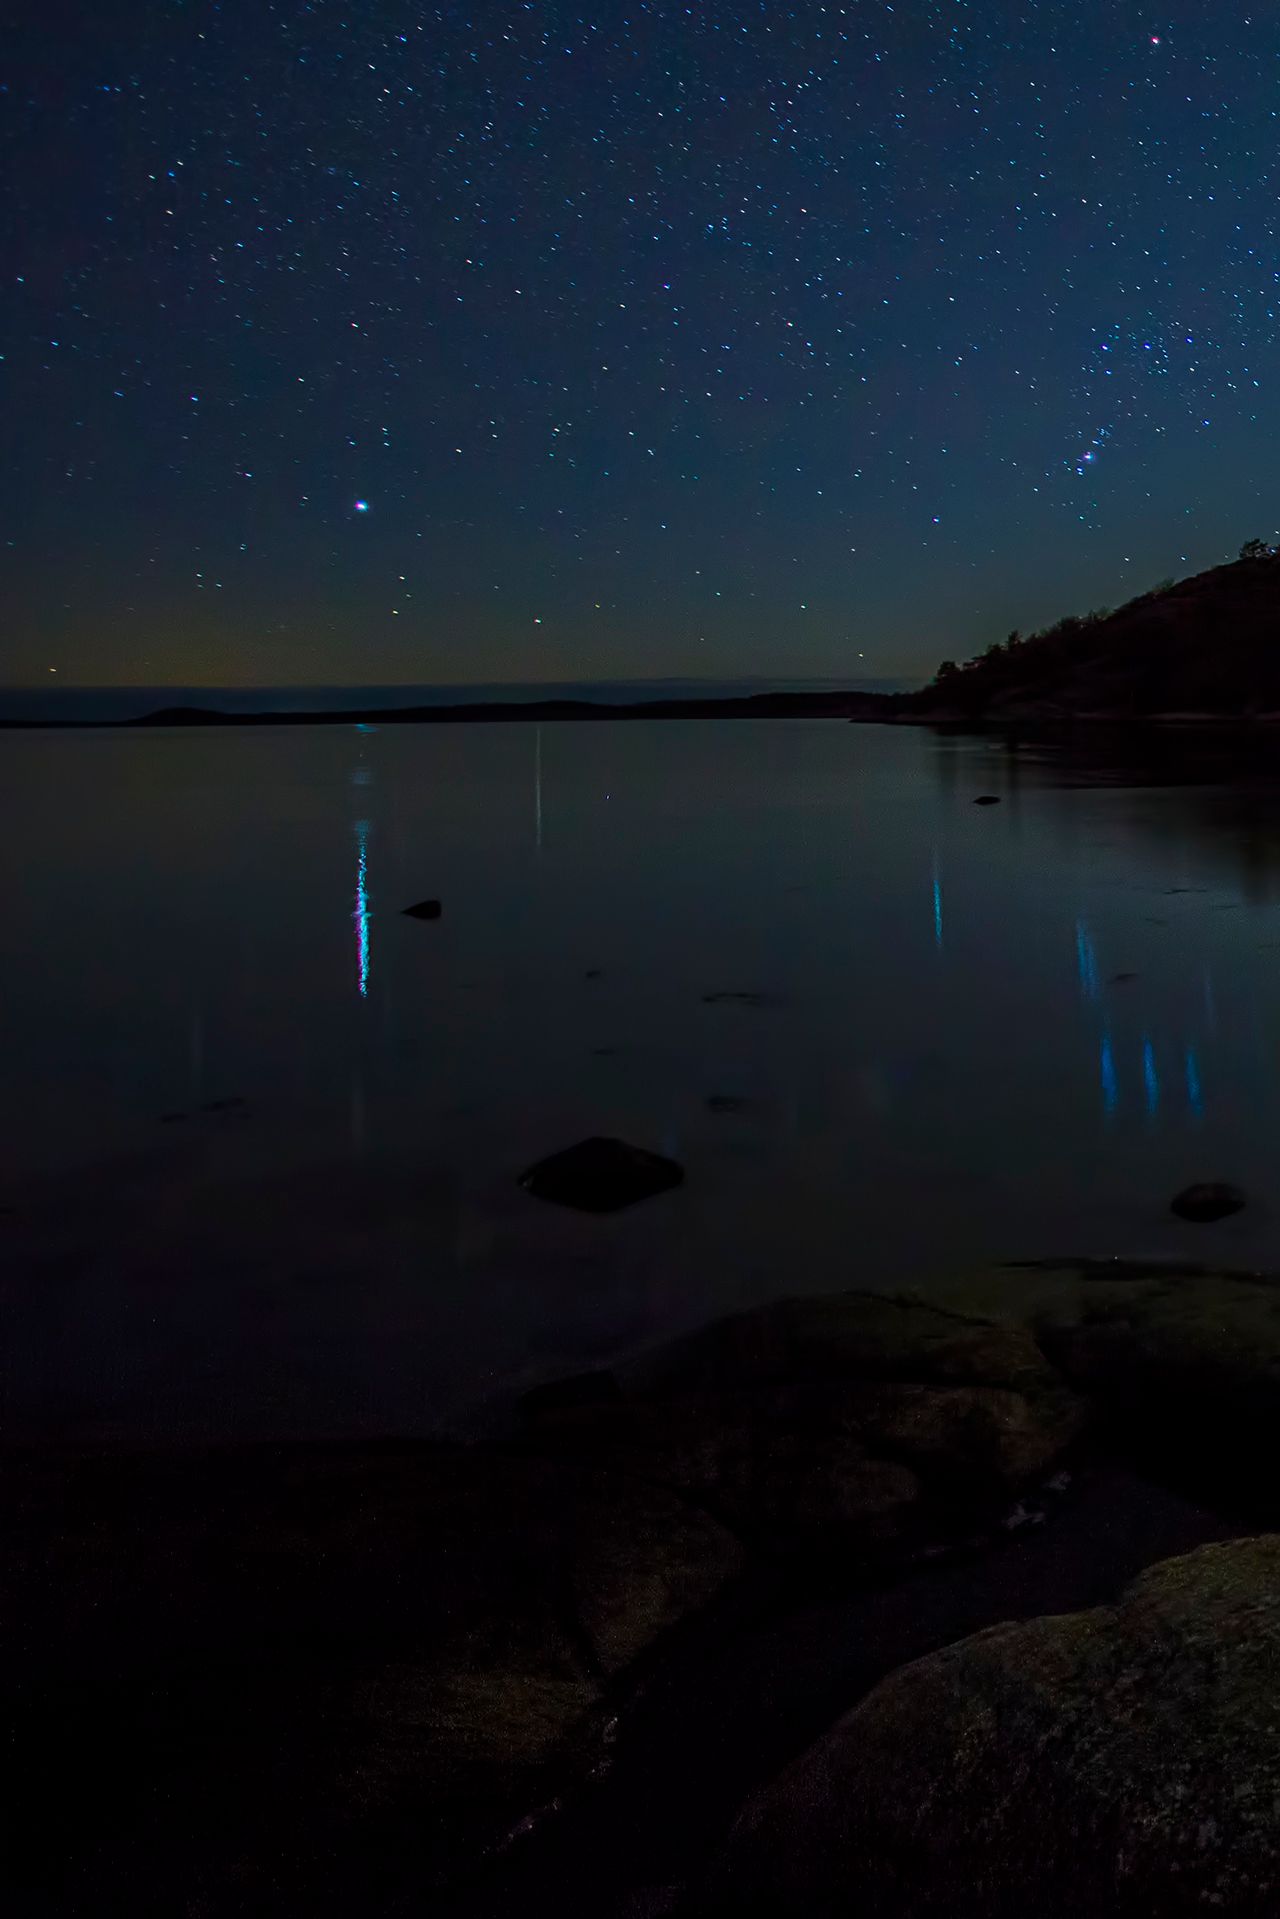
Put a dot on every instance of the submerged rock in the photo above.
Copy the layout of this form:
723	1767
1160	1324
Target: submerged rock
424	910
1123	1761
601	1175
1208	1202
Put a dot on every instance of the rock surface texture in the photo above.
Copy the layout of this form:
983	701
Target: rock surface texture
269	1679
1123	1761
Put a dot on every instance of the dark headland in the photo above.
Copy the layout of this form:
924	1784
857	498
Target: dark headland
1203	648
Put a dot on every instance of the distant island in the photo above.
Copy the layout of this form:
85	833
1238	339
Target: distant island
1203	648
833	705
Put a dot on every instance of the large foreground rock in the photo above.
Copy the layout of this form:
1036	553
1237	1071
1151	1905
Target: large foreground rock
270	1678
1124	1761
832	1424
1184	1364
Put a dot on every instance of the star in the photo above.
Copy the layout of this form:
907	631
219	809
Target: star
880	274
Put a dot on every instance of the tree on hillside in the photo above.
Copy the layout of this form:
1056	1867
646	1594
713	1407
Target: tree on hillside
1256	550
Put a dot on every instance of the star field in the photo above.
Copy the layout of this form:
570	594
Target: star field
404	343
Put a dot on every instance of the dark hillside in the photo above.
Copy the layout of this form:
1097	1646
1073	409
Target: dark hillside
1205	645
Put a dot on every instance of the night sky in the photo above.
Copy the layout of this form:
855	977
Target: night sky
388	343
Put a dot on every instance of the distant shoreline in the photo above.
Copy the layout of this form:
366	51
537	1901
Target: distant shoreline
824	705
885	709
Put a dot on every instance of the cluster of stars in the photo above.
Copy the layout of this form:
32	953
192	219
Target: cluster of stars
733	338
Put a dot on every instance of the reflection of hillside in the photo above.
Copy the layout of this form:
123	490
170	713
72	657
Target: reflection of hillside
1219	791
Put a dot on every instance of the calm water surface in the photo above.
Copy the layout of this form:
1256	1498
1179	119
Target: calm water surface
262	1133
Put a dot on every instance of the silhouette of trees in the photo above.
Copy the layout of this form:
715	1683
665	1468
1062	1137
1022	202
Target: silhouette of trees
1201	645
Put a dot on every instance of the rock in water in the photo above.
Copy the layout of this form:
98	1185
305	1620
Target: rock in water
424	910
987	799
1207	1203
601	1175
1124	1761
853	1425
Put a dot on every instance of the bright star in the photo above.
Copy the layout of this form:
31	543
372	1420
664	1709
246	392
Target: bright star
362	506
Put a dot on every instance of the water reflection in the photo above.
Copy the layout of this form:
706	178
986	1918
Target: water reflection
362	776
1175	838
1150	1078
1086	963
1153	1089
786	954
1218	792
362	916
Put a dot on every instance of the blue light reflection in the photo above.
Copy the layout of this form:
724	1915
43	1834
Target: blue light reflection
362	915
1086	964
1150	1078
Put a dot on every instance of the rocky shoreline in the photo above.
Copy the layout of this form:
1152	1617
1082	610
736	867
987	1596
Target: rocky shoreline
271	1679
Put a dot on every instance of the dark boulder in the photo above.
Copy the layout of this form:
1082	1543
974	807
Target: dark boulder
851	1424
1181	1365
601	1175
1124	1761
1207	1203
